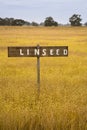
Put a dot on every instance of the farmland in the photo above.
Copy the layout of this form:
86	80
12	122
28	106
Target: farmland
62	104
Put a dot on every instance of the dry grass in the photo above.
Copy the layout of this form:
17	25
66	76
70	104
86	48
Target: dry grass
63	99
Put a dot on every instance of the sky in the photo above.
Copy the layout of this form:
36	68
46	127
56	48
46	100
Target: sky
38	10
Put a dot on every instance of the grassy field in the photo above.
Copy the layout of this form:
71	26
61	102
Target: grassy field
62	104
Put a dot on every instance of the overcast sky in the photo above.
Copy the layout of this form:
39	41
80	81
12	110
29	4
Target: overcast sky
38	10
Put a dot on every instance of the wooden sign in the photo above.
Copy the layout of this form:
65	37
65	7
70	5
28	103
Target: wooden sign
38	51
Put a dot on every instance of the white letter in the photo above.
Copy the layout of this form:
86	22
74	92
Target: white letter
65	51
27	51
21	53
57	51
44	52
51	51
36	51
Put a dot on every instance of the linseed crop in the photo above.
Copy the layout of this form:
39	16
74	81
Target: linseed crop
62	104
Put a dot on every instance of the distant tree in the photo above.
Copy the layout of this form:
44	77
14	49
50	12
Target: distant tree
27	23
75	20
42	24
55	23
1	21
13	22
34	24
49	21
6	21
18	22
85	24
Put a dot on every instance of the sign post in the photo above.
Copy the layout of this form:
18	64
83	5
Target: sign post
38	51
38	72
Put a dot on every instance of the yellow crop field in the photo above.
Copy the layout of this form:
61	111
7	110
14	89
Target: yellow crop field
62	104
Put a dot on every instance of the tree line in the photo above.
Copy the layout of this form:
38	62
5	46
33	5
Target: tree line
75	20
